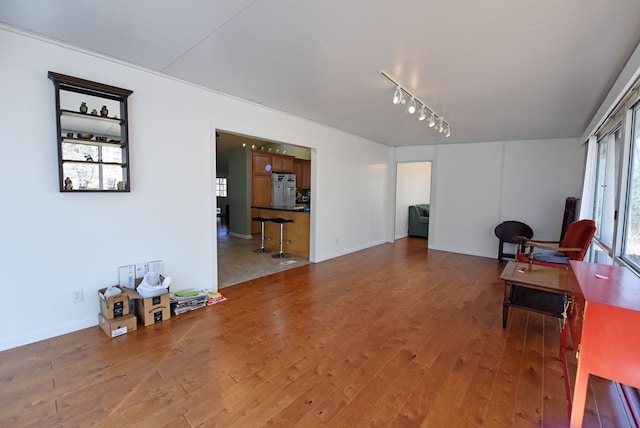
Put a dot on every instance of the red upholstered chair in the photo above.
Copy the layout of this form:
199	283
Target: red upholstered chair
573	246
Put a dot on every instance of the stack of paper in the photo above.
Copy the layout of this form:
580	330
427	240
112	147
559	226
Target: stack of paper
185	301
214	297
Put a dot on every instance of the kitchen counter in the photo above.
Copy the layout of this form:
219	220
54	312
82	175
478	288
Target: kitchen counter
295	235
297	208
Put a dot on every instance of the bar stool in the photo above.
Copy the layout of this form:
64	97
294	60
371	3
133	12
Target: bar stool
281	222
261	249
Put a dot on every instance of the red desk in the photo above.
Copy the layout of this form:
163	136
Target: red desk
604	322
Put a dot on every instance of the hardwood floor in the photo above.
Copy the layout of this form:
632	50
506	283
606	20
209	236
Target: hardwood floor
392	336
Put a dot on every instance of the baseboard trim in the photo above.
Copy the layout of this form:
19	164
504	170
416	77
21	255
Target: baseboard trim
14	342
239	235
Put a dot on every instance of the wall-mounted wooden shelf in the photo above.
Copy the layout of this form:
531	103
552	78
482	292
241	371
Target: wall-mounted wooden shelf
93	149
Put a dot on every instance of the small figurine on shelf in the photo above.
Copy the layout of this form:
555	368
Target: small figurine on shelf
120	185
104	111
94	112
88	158
68	184
84	108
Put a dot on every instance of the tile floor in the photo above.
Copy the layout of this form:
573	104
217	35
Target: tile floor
238	263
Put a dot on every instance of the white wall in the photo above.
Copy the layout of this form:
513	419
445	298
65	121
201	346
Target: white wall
477	186
538	176
53	243
413	187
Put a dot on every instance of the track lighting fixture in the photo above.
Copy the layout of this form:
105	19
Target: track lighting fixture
397	96
414	104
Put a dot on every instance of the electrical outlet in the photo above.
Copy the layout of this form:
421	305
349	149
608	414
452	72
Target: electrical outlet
76	296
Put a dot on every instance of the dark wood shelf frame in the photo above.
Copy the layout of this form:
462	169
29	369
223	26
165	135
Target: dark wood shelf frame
78	85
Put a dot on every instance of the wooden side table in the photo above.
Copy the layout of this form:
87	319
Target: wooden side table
535	288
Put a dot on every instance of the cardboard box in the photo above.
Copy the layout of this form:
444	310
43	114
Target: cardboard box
118	326
114	306
153	310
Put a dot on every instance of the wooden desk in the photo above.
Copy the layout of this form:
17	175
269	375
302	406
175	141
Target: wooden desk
604	323
535	288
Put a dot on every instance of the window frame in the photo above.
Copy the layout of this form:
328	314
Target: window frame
632	124
222	186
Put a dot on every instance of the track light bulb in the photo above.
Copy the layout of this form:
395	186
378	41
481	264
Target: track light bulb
401	97
397	96
412	106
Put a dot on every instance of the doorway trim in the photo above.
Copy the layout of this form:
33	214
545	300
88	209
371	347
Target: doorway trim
213	200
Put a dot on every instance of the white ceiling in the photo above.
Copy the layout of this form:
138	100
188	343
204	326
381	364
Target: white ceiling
496	69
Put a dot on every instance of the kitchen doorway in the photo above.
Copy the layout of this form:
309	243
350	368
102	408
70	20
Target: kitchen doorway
236	261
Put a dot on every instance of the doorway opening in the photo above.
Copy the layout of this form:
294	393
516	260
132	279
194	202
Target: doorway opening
413	187
237	236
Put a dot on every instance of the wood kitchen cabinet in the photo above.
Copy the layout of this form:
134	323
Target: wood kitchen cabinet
261	190
282	163
297	170
260	163
260	184
302	170
305	178
265	163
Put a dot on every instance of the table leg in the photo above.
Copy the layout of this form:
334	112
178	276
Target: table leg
508	295
564	347
579	398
